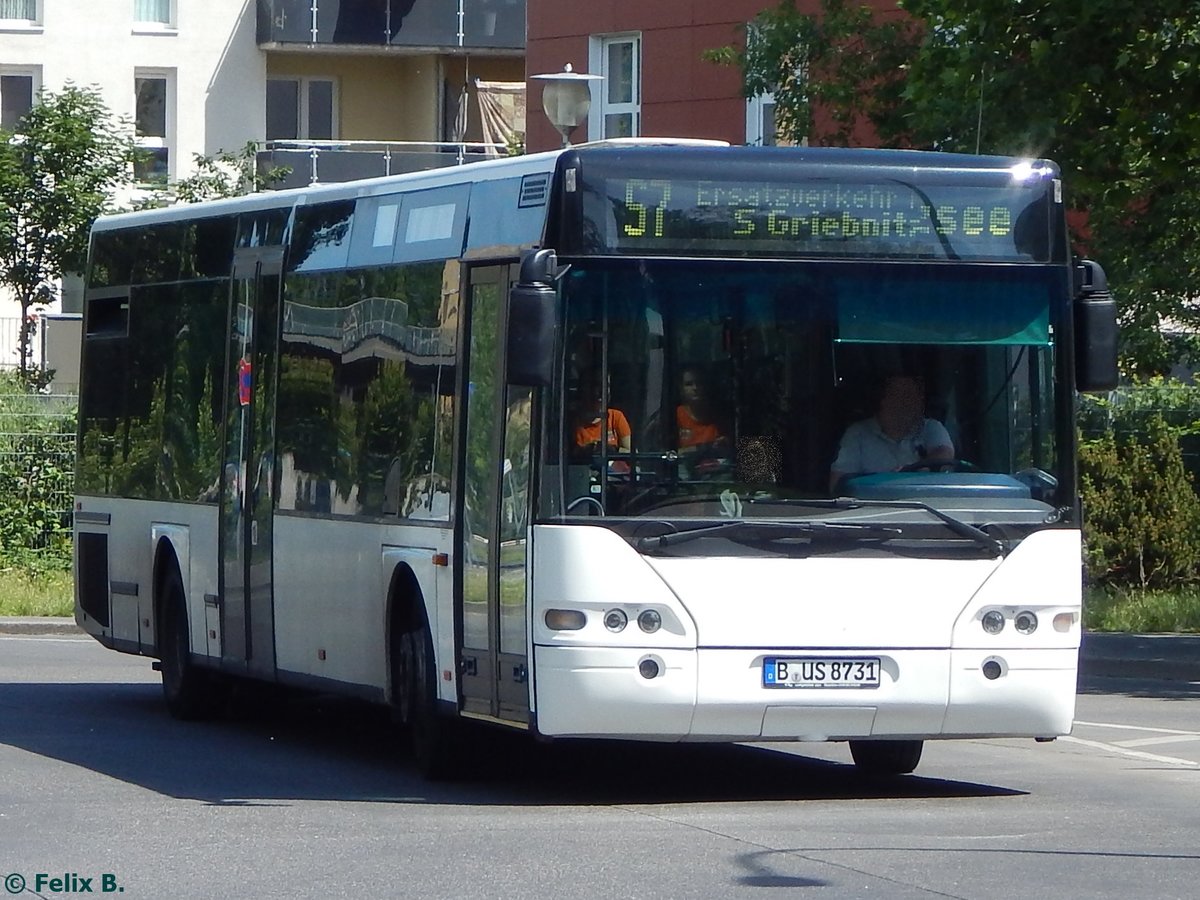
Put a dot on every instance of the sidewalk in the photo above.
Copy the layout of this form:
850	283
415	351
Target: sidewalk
1165	657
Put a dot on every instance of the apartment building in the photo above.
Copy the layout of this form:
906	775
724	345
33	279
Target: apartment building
189	74
650	56
358	88
334	89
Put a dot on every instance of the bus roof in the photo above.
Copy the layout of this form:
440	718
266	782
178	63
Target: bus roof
952	164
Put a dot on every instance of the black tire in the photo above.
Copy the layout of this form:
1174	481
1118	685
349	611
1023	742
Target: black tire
433	738
886	757
187	690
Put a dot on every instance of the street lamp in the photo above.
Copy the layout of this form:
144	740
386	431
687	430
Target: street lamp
566	98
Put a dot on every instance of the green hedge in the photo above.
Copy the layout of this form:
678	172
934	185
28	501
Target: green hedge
37	459
1141	511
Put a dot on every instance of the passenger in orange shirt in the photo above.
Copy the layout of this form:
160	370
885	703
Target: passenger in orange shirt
588	425
699	435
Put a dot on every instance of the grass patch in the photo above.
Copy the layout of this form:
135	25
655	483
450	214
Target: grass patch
45	593
1146	612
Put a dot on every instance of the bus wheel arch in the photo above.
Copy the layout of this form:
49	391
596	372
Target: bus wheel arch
187	689
413	673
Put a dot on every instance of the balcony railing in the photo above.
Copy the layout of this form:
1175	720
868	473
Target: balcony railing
316	162
497	24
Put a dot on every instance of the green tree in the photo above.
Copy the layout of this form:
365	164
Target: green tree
59	168
834	75
228	174
1106	88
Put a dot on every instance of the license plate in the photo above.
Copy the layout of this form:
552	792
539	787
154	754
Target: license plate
821	672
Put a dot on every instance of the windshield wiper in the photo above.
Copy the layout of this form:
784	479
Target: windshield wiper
958	526
789	529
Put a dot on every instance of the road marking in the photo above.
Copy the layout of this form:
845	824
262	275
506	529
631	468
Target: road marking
1166	739
1134	754
1136	728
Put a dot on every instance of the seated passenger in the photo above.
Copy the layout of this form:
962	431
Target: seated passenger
693	416
700	440
897	436
589	427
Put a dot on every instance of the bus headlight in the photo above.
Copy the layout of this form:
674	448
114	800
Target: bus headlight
649	620
615	620
1025	622
993	621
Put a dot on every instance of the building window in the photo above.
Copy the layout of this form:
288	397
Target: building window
301	109
153	12
618	111
19	11
760	121
152	106
17	90
760	110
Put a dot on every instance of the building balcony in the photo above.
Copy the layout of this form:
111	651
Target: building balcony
328	162
440	25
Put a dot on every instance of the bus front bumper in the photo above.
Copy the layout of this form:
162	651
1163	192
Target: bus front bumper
719	695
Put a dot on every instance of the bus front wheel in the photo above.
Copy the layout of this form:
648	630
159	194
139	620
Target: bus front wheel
186	688
886	757
433	737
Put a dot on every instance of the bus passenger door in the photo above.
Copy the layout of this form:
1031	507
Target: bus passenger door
247	486
493	662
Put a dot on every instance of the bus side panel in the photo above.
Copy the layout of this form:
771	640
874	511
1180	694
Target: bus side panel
331	596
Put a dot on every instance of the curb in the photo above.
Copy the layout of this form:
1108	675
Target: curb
1163	657
38	625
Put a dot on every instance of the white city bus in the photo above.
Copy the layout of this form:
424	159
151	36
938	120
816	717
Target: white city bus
547	442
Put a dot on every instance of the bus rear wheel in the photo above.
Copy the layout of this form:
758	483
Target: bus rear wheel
187	689
886	757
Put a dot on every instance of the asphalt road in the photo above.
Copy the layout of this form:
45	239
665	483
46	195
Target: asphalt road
307	798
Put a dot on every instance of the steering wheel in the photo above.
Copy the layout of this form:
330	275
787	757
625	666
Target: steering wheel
940	465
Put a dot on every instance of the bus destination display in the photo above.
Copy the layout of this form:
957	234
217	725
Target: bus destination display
826	218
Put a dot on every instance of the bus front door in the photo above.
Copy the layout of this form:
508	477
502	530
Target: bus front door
247	489
493	660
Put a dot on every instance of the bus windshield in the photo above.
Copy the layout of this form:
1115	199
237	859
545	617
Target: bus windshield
690	387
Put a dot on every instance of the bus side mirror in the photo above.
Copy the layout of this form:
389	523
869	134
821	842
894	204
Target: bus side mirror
531	322
1095	330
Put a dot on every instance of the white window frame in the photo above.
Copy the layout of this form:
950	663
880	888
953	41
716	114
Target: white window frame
757	106
167	139
34	24
33	73
305	82
598	46
171	26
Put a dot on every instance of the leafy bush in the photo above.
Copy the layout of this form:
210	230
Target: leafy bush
1127	414
1141	512
37	441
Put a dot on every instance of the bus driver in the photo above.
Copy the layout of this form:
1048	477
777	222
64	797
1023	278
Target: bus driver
898	435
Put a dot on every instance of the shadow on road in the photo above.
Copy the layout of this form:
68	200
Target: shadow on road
286	748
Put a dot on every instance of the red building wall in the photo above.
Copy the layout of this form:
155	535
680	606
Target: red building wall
682	95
